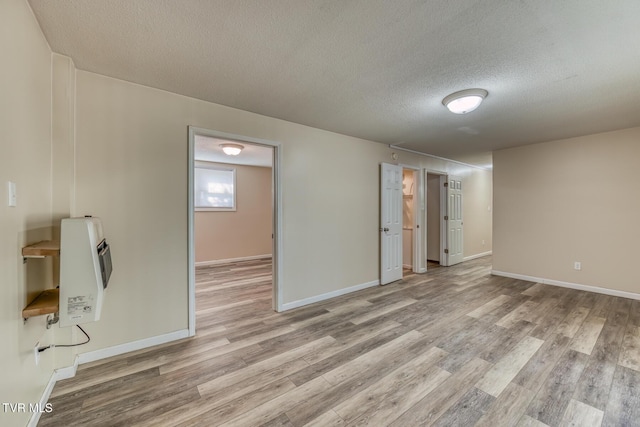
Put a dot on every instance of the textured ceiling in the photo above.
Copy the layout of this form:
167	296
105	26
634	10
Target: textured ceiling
376	69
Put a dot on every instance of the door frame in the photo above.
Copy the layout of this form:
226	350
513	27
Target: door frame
276	208
419	219
444	177
444	226
444	208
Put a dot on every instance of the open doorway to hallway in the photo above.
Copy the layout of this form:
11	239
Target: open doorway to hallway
434	222
408	220
430	212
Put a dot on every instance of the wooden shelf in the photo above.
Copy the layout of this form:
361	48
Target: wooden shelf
42	249
46	303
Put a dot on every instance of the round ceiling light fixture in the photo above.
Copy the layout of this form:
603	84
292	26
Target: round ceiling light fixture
464	101
232	149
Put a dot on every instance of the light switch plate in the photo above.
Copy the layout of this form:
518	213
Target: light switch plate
11	191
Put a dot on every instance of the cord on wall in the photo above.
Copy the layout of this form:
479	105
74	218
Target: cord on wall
41	349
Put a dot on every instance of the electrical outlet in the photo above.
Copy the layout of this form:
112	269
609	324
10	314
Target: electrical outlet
577	265
483	243
36	353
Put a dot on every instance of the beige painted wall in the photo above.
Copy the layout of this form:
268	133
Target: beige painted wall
477	209
25	158
63	177
79	143
570	200
246	231
132	140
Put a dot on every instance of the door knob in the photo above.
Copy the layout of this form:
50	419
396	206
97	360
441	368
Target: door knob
384	229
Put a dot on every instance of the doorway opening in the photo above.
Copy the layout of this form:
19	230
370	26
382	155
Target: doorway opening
404	212
408	220
434	222
397	190
234	223
444	240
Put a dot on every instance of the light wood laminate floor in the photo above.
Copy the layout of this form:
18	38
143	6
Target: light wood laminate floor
452	347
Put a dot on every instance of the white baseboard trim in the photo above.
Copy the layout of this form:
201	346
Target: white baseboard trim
228	260
480	255
407	266
328	295
91	356
116	350
68	372
57	375
577	286
35	416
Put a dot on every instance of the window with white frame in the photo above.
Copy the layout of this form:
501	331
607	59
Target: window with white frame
215	187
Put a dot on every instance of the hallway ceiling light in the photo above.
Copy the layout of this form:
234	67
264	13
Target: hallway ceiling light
464	101
231	149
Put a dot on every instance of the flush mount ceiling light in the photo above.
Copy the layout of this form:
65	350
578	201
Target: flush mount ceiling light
464	101
231	149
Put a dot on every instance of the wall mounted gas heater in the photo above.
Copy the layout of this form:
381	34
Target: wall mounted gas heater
85	269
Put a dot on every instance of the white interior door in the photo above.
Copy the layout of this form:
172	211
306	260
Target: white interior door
390	223
453	220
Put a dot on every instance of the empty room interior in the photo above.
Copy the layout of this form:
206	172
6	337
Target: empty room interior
319	213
